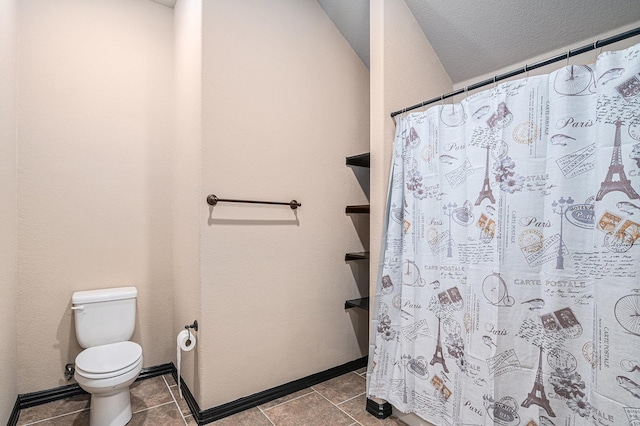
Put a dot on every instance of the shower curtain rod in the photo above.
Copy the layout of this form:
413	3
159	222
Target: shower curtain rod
580	50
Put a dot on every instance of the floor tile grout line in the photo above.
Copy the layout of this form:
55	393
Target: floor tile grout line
265	415
330	402
353	397
167	382
151	408
180	408
292	399
175	401
55	417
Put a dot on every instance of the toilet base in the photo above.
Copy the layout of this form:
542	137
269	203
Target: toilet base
110	398
112	409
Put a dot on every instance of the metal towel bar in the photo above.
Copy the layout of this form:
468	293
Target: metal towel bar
212	200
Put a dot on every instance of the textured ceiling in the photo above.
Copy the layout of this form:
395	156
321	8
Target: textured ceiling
352	19
476	38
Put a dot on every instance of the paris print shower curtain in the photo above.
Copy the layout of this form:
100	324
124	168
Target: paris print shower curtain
509	285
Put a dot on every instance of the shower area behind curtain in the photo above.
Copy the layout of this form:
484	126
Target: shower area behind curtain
509	290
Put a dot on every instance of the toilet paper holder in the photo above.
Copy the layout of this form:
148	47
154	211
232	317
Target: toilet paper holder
194	326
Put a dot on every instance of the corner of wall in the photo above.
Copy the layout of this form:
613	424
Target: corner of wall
187	201
8	207
404	71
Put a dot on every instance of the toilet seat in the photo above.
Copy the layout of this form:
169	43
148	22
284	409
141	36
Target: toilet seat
106	361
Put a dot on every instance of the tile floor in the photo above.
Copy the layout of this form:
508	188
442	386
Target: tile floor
336	402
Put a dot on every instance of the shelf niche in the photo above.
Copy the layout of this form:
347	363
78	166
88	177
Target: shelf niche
361	160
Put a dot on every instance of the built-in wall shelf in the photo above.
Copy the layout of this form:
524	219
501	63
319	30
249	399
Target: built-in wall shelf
362	160
378	410
361	255
357	303
357	209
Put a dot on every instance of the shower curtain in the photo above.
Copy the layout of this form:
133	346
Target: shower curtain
509	284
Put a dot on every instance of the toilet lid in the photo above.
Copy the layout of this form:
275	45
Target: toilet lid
108	358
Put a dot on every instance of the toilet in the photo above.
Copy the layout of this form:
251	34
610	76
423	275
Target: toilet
105	320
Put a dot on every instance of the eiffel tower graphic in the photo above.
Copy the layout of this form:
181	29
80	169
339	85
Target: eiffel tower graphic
616	168
537	395
486	188
437	356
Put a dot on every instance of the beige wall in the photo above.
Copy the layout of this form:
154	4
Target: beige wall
404	71
95	128
8	230
285	100
187	180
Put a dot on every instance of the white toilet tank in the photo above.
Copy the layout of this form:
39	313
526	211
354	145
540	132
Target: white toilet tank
104	316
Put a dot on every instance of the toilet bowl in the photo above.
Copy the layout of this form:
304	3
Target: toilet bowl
106	372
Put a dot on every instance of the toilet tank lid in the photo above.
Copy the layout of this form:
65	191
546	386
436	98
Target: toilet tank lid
93	296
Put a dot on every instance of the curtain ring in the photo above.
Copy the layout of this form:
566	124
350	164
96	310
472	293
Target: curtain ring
526	69
568	51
